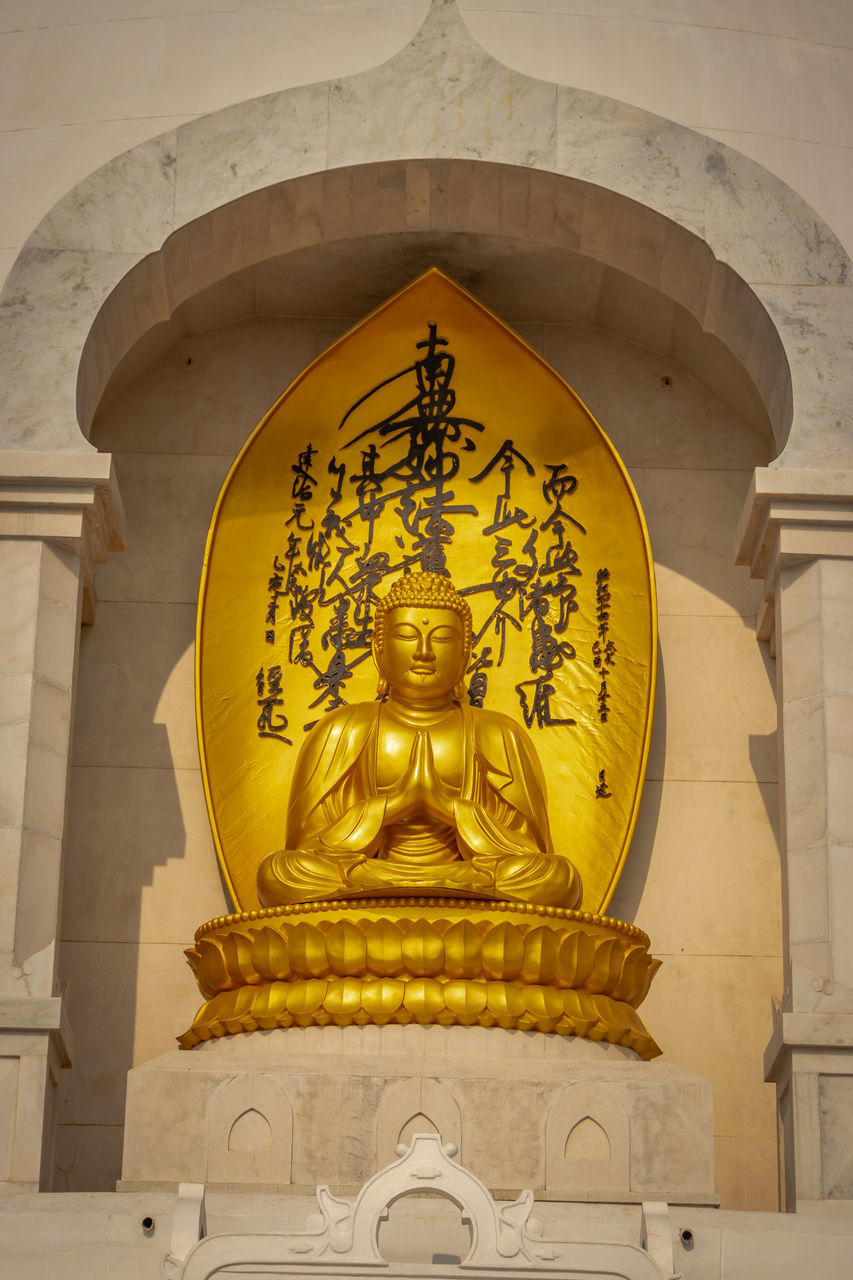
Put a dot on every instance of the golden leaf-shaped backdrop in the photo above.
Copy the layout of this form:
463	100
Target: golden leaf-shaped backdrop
430	439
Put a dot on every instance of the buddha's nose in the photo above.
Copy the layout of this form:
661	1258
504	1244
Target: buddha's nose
423	650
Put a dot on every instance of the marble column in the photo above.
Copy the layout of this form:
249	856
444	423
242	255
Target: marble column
797	534
58	514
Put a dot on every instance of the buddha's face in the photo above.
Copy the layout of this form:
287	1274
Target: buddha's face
423	652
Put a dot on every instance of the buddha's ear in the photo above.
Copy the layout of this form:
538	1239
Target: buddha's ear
382	686
460	689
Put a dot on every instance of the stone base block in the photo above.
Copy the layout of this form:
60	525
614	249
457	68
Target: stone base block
276	1110
33	1049
810	1059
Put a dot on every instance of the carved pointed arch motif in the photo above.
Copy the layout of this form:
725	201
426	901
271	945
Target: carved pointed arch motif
587	1141
404	1107
418	1123
431	437
250	1132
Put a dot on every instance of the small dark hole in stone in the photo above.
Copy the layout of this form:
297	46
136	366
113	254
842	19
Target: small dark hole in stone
666	380
147	1225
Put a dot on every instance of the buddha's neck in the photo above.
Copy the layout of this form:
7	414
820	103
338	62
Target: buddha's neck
423	712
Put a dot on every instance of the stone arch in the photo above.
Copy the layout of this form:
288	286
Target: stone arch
250	1132
418	1123
549	224
402	1104
587	1141
96	262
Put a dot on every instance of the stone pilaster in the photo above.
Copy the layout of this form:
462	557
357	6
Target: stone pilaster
59	513
797	534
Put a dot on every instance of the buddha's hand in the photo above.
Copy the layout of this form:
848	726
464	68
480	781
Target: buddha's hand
420	791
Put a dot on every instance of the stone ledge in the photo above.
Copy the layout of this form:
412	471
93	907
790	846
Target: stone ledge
30	1013
820	1031
835	1208
811	499
684	1199
21	1015
789	517
67	498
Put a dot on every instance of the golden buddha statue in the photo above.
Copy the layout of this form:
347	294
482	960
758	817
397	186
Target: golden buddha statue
418	792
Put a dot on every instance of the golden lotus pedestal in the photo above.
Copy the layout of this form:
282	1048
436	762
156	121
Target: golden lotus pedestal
427	960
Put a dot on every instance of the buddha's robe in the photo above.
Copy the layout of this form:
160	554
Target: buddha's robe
338	843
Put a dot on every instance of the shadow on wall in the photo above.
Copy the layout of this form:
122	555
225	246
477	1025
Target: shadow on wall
629	891
121	960
764	746
141	871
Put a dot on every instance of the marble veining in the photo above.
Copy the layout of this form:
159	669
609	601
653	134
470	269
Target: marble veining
634	152
815	324
443	96
46	311
250	146
762	228
126	206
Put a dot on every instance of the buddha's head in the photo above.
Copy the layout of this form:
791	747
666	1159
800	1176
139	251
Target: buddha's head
422	638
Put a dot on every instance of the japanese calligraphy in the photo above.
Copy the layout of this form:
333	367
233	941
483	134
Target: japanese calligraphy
271	722
603	649
398	468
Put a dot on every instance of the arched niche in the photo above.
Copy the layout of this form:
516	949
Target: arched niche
236	333
205	392
411	1107
587	1142
348	254
250	1132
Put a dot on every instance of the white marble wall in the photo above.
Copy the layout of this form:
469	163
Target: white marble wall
41	616
816	686
82	81
771	79
647	185
56	516
797	535
811	1054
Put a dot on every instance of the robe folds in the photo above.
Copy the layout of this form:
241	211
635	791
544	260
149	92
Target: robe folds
499	844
